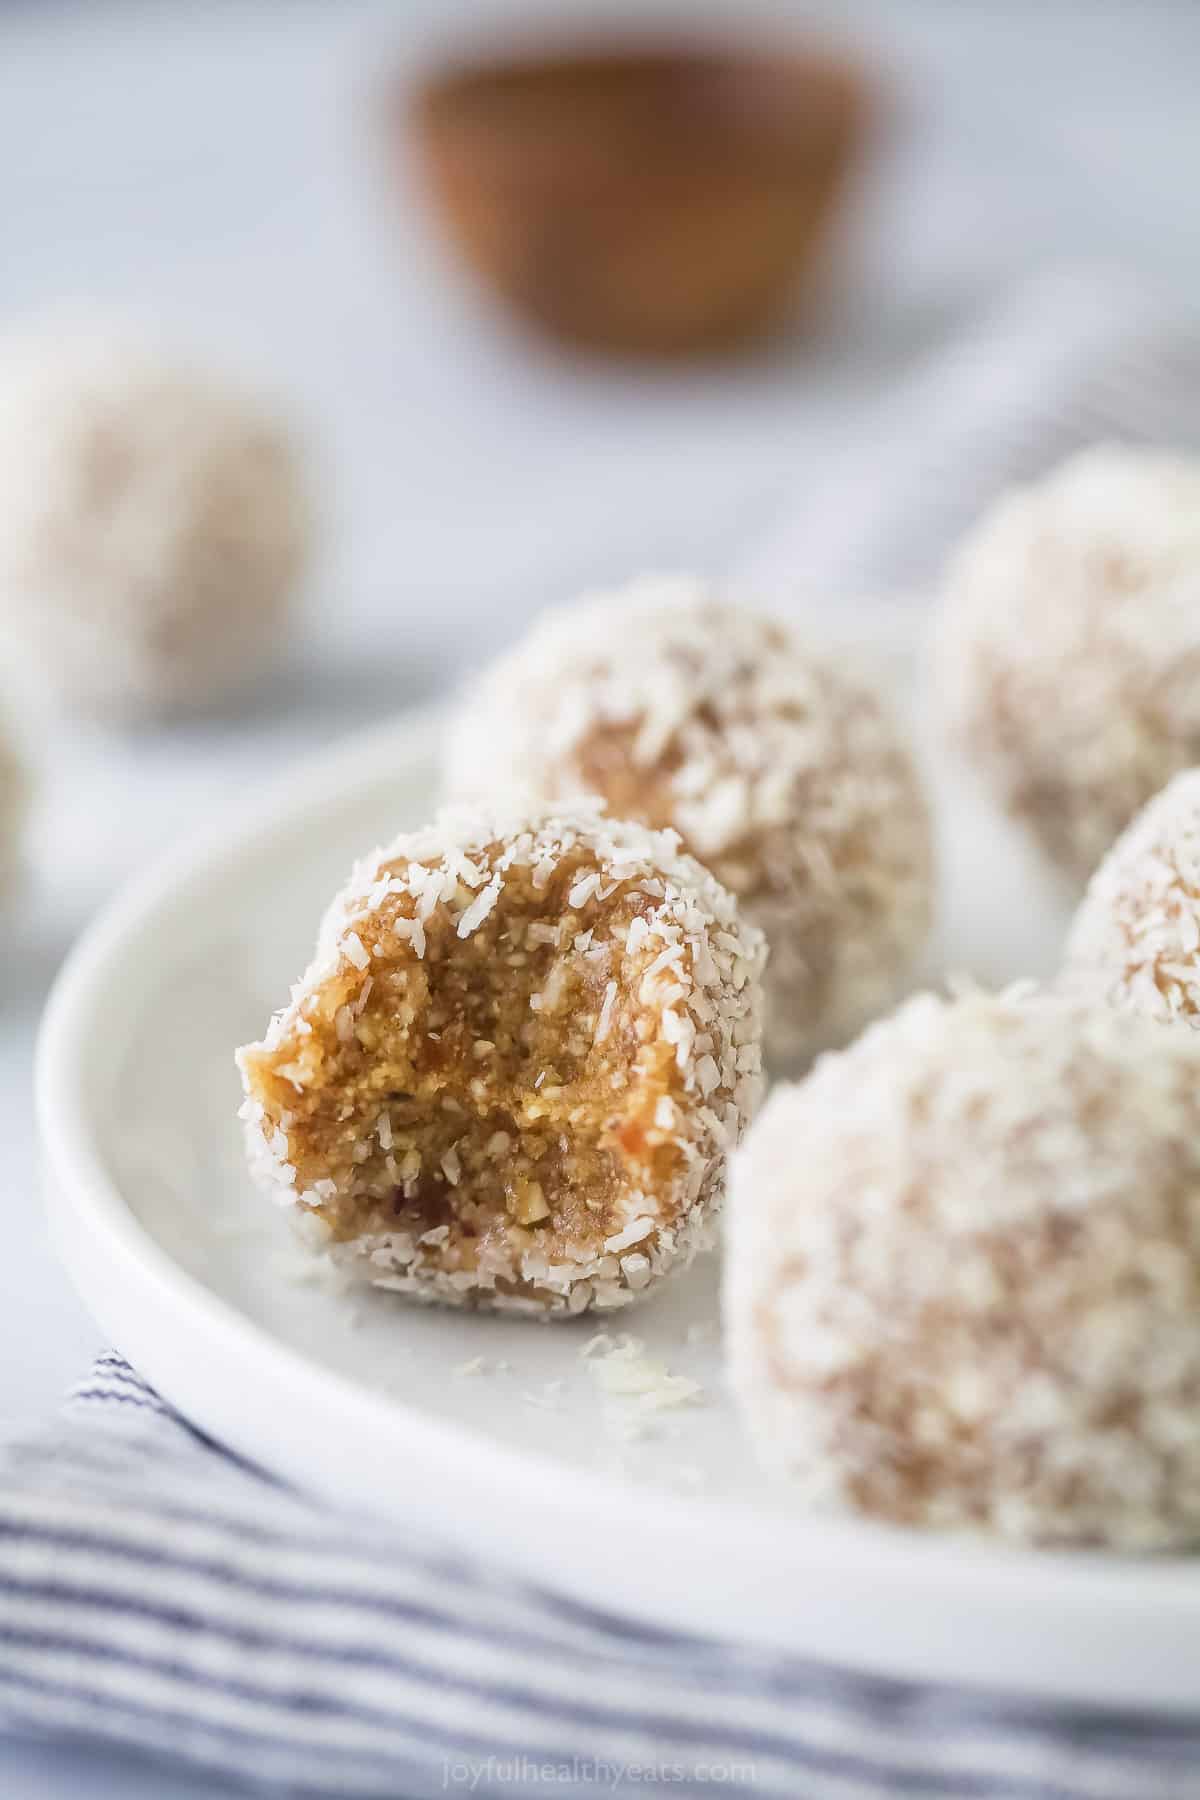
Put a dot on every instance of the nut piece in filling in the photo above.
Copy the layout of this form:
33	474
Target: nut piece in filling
1067	654
1135	940
783	774
963	1261
514	1072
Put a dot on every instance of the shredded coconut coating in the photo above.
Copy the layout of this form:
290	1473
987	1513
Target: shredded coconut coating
1068	648
515	1070
963	1260
784	774
1135	940
154	523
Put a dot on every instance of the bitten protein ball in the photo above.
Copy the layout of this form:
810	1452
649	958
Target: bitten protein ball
514	1073
1067	656
154	524
784	775
1135	940
962	1267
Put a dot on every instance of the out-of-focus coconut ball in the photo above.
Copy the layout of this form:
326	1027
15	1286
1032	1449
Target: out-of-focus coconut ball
1135	940
782	772
1068	648
155	524
961	1274
15	791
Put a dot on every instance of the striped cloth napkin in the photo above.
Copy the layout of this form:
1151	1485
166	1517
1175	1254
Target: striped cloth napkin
157	1593
1070	358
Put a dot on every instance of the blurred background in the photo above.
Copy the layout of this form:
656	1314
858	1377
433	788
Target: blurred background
470	301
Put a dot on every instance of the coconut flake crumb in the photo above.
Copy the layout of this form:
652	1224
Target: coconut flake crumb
583	890
636	1389
606	1012
548	1398
479	908
633	1233
452	1167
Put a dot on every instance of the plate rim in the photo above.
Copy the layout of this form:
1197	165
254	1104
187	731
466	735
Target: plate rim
152	1307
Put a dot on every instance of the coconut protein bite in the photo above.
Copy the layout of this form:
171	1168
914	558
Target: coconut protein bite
1067	653
783	773
961	1274
155	522
1135	940
515	1069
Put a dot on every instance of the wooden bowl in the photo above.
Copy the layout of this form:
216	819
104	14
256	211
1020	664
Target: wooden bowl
663	200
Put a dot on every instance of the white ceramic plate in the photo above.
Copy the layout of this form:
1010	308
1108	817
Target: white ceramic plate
195	1278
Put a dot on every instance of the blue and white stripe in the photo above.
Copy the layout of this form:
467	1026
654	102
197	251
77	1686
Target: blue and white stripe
156	1593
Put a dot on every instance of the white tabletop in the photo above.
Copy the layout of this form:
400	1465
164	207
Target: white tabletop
218	167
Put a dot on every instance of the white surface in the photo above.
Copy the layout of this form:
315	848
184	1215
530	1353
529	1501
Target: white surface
194	1275
213	164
